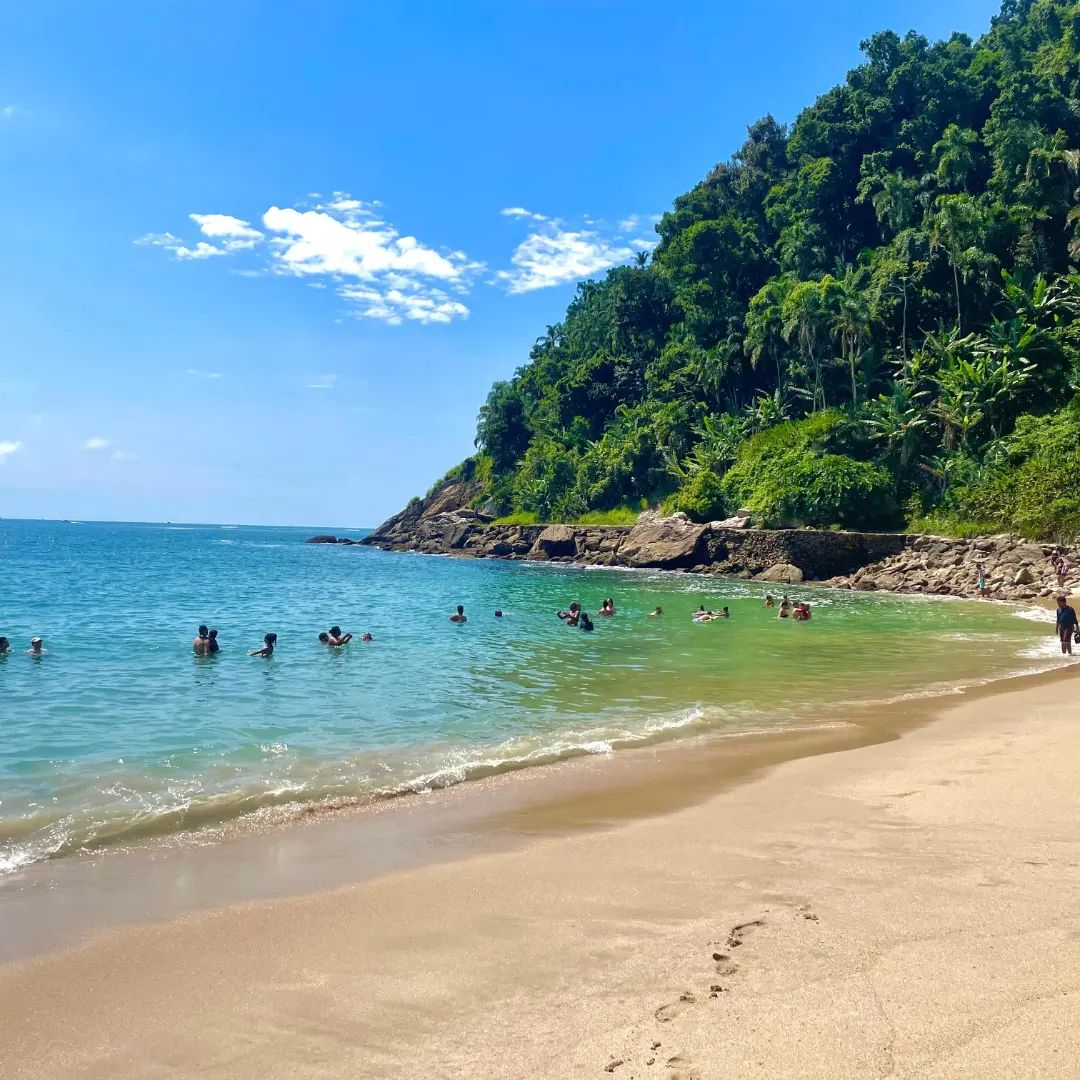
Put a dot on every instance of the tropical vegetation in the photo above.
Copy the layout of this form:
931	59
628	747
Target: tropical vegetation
870	318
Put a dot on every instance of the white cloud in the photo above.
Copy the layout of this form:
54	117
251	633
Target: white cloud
198	374
346	243
225	225
554	253
9	447
323	382
95	442
8	111
173	244
521	212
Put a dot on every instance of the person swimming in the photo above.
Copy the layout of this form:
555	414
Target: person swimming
585	622
657	611
785	609
199	644
498	613
5	646
35	647
267	649
365	636
337	637
724	613
212	646
769	601
607	608
459	615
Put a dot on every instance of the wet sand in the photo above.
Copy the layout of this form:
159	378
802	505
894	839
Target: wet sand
905	908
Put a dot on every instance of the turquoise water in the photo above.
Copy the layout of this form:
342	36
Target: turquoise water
120	732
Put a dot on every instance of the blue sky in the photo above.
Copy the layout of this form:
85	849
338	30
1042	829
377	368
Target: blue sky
257	263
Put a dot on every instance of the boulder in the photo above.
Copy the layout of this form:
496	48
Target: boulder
735	522
321	539
555	542
665	543
1023	576
781	573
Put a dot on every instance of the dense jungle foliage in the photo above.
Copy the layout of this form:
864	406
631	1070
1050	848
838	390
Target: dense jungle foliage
869	319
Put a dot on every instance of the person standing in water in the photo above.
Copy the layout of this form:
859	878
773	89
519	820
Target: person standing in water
585	622
36	649
267	649
571	615
657	611
607	608
1066	625
5	646
212	646
785	609
198	646
769	601
459	615
337	637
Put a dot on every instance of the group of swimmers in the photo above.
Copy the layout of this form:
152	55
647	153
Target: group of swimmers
206	641
36	647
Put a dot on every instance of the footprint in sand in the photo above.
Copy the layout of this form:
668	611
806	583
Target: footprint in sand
667	1013
725	965
681	1068
735	937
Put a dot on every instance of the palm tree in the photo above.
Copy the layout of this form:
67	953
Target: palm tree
953	226
850	322
956	155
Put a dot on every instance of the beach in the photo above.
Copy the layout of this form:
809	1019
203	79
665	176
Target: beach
907	908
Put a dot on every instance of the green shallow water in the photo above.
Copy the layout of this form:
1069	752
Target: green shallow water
119	732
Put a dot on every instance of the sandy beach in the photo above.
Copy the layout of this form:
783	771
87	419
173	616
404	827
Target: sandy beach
908	908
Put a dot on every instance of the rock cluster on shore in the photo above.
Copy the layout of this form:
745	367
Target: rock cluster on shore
1014	569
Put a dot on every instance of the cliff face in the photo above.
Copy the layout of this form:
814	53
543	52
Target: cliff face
427	520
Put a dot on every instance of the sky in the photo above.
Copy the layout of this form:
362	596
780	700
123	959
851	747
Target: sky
260	261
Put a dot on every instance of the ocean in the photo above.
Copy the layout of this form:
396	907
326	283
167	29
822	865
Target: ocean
119	733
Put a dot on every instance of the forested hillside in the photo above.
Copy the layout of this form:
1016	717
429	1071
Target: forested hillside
867	319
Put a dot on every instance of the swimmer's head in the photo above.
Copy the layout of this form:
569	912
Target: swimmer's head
202	631
324	637
498	613
270	639
335	631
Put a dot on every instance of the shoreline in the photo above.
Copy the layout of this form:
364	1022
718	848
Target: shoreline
62	902
385	978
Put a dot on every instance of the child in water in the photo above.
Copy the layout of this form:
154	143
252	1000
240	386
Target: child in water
585	622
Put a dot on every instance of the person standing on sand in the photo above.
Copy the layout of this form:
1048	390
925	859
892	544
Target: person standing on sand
1066	625
459	615
198	646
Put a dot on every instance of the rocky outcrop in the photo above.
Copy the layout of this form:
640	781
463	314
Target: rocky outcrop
783	573
1013	569
441	519
665	543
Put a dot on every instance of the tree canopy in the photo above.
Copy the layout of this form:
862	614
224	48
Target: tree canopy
870	318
